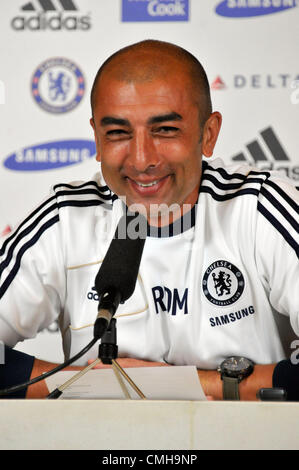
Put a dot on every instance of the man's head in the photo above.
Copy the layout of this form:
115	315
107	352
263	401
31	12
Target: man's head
153	120
151	59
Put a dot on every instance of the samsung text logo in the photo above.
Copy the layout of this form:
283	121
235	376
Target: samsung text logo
249	8
155	10
51	155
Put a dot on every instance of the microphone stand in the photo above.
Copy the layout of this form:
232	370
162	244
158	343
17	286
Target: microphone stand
107	355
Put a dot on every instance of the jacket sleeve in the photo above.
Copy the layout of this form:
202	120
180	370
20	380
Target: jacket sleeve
32	274
277	246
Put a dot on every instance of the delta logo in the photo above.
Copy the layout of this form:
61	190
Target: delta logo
51	155
256	81
218	84
250	8
47	15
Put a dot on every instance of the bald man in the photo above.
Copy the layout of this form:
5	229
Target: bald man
135	93
221	241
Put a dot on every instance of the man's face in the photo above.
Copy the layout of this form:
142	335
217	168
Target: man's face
149	140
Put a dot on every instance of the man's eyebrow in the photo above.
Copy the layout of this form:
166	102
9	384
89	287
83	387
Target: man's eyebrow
165	117
173	116
108	120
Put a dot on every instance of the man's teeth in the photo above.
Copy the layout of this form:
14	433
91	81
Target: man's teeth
147	185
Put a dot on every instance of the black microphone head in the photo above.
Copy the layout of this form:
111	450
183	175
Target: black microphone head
120	266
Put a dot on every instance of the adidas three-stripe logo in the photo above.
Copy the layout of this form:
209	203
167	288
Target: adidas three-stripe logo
42	218
257	152
273	203
48	5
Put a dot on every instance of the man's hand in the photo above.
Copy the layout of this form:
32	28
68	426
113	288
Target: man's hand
40	389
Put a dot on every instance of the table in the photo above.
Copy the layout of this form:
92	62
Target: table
147	424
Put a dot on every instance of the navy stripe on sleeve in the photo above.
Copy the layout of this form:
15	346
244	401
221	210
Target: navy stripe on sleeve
229	176
257	183
285	196
289	239
23	234
228	186
22	250
30	216
228	196
280	208
18	247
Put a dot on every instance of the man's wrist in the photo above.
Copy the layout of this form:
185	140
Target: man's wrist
40	389
211	383
260	378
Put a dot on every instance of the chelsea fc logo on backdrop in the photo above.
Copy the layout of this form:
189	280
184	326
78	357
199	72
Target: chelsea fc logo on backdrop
58	85
223	283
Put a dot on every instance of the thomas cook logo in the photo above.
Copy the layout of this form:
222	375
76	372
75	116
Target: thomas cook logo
250	8
223	283
58	85
155	10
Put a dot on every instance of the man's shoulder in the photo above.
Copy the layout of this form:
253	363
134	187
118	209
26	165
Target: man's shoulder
84	193
227	182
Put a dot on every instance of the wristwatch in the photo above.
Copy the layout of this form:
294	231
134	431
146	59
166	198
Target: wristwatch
234	369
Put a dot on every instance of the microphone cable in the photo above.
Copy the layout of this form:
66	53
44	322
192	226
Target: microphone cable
16	388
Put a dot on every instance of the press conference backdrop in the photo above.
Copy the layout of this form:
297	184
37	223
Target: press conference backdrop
52	49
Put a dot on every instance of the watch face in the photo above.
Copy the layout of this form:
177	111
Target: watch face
237	366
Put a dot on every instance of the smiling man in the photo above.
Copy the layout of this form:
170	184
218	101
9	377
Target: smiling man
152	121
221	255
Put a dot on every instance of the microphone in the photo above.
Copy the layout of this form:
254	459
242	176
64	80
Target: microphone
117	276
115	283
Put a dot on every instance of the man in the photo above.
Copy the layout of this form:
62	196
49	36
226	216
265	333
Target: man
221	251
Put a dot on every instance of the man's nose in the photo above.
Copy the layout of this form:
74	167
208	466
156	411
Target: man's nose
143	153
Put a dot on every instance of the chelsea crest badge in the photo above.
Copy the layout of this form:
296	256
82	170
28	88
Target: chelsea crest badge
223	283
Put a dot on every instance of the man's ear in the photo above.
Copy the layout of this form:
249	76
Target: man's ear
98	156
210	133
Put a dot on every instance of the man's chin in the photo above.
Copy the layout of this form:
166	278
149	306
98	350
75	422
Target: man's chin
157	214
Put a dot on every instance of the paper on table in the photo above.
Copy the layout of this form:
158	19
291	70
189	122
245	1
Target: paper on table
156	383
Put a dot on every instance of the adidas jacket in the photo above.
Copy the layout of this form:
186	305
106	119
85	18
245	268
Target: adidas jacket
208	285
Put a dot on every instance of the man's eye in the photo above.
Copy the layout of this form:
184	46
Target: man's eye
116	133
166	130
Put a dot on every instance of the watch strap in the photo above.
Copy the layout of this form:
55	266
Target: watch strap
230	388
